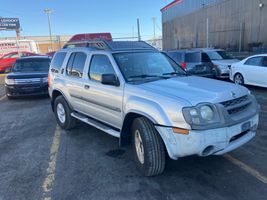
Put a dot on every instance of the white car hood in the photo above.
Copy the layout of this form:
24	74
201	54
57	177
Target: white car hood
195	89
225	62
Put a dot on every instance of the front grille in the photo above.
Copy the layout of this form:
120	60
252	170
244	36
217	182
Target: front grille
28	81
237	105
235	101
238	109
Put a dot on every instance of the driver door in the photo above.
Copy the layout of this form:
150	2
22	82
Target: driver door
104	102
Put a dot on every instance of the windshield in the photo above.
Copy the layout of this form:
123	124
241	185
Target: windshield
146	65
219	55
31	65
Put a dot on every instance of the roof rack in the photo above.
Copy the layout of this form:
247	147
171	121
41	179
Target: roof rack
101	44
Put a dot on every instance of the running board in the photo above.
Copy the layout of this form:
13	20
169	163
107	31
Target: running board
96	124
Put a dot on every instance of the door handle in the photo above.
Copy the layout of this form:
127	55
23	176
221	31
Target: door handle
87	87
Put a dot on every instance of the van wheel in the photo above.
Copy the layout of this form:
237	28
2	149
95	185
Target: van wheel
148	147
63	114
239	79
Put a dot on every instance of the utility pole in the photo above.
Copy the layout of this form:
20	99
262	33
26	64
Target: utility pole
207	33
138	28
154	27
49	12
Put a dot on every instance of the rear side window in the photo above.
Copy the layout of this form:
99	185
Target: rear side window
58	61
192	57
256	61
76	64
178	57
100	64
264	62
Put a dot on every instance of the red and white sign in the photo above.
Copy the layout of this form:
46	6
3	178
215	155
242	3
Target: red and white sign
7	46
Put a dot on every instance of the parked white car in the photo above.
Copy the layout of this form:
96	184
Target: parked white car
250	71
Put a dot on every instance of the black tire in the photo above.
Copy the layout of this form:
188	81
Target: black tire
153	147
239	79
69	122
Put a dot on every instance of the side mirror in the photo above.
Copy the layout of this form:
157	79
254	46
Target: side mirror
110	79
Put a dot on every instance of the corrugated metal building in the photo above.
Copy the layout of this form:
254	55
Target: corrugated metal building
232	24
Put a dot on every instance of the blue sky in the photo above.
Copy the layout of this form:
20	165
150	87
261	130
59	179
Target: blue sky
81	16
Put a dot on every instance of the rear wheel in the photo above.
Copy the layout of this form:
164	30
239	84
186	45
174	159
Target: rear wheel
63	114
148	147
239	79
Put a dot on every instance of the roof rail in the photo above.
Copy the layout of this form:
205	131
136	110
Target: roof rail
102	44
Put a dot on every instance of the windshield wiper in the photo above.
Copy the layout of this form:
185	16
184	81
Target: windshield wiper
146	76
174	73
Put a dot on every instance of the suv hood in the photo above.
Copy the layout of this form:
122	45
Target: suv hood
195	89
225	62
19	75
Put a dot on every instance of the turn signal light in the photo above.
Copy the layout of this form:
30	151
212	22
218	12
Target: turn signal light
180	131
49	80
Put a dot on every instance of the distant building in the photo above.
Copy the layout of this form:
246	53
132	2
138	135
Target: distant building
232	24
157	43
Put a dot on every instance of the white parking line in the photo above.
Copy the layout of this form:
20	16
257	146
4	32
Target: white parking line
247	168
50	171
2	98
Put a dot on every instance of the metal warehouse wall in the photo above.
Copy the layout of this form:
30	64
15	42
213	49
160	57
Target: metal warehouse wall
231	24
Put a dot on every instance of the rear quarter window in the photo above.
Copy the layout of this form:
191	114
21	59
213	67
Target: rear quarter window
58	60
177	56
192	57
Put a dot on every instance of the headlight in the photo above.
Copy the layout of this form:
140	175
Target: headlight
45	80
10	81
201	115
206	113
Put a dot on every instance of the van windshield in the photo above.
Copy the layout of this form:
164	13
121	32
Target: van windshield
32	65
146	65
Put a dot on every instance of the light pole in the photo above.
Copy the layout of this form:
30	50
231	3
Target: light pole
49	12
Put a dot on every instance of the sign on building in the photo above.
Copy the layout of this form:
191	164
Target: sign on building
9	24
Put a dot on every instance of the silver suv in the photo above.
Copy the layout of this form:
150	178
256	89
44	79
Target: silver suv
141	96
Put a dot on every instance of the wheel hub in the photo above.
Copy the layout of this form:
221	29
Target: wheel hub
139	147
61	113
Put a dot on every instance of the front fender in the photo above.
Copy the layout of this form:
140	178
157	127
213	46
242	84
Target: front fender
147	108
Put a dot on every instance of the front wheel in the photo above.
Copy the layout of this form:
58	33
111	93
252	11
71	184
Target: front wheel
239	79
148	147
63	114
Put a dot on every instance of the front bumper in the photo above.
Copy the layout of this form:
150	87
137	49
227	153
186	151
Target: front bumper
208	142
222	73
26	90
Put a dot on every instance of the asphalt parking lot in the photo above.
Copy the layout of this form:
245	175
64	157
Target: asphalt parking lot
38	160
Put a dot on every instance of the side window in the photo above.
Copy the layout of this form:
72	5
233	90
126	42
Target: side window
205	58
264	62
176	56
100	64
76	64
256	61
58	61
70	62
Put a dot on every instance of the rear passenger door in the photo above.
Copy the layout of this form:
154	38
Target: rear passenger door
75	79
104	102
253	70
264	71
